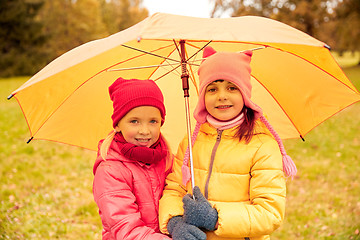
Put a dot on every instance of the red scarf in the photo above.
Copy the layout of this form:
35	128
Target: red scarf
147	155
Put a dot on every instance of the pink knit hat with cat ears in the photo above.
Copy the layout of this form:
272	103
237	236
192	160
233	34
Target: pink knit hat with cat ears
229	66
235	68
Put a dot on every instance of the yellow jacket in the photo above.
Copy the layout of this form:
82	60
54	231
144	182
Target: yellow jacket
245	184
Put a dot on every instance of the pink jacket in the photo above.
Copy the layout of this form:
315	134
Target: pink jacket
127	194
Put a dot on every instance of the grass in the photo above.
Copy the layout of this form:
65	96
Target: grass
323	201
46	187
347	59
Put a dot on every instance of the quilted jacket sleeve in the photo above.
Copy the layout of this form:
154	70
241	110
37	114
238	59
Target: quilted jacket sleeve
171	202
266	209
117	204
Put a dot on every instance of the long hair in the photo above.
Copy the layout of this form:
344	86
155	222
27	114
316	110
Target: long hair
246	130
105	146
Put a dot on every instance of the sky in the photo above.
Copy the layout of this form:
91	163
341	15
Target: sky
193	8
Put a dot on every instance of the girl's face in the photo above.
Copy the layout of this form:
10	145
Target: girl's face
223	100
141	126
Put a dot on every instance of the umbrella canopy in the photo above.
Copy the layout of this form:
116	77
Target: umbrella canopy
295	79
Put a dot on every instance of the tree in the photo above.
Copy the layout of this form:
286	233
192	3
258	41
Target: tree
305	15
244	7
70	23
21	38
121	14
347	25
34	32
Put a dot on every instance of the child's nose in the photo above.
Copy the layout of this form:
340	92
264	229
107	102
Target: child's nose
144	129
222	95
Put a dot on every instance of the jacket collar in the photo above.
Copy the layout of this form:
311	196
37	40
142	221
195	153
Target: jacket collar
260	128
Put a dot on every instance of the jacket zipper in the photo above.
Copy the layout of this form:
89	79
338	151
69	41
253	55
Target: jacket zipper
218	138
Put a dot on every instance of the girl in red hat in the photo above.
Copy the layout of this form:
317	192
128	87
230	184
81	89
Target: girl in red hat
238	159
132	163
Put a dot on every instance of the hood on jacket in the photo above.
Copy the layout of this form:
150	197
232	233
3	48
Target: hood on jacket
113	155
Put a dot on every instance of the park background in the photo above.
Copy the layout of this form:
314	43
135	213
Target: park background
46	187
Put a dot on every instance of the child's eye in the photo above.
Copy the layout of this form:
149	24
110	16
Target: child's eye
154	121
233	88
134	121
211	89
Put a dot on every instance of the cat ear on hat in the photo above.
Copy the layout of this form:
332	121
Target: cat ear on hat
248	52
208	51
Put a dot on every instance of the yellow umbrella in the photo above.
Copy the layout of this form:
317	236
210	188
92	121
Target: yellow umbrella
295	79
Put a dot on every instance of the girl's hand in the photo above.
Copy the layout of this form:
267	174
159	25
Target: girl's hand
199	212
180	230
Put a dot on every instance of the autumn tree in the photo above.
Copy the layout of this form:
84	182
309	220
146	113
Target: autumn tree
70	23
305	15
121	14
34	32
21	37
347	25
263	8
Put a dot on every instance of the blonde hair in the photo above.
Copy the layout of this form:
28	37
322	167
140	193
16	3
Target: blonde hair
104	149
106	144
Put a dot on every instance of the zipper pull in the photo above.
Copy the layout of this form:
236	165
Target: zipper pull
218	138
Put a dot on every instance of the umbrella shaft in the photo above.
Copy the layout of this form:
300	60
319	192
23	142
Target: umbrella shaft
185	83
188	124
184	75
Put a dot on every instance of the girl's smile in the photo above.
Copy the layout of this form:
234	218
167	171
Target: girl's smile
141	126
223	100
224	106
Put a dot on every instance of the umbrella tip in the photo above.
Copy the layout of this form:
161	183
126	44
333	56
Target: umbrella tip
327	46
302	138
10	96
28	141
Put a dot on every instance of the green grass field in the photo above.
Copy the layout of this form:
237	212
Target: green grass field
46	187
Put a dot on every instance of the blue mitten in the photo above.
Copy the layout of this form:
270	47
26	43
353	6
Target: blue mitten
180	230
199	212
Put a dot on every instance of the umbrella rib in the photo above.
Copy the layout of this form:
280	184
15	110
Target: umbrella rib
301	136
168	72
150	53
142	67
253	49
199	50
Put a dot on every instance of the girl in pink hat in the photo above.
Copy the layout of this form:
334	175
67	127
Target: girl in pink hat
238	159
132	163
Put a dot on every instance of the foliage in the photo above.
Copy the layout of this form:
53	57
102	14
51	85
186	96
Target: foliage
21	38
46	187
121	14
72	23
348	25
307	16
336	22
301	14
65	23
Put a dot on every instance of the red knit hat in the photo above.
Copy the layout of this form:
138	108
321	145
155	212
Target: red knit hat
127	94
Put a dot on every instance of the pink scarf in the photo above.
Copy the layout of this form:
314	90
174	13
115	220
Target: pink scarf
222	125
147	155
